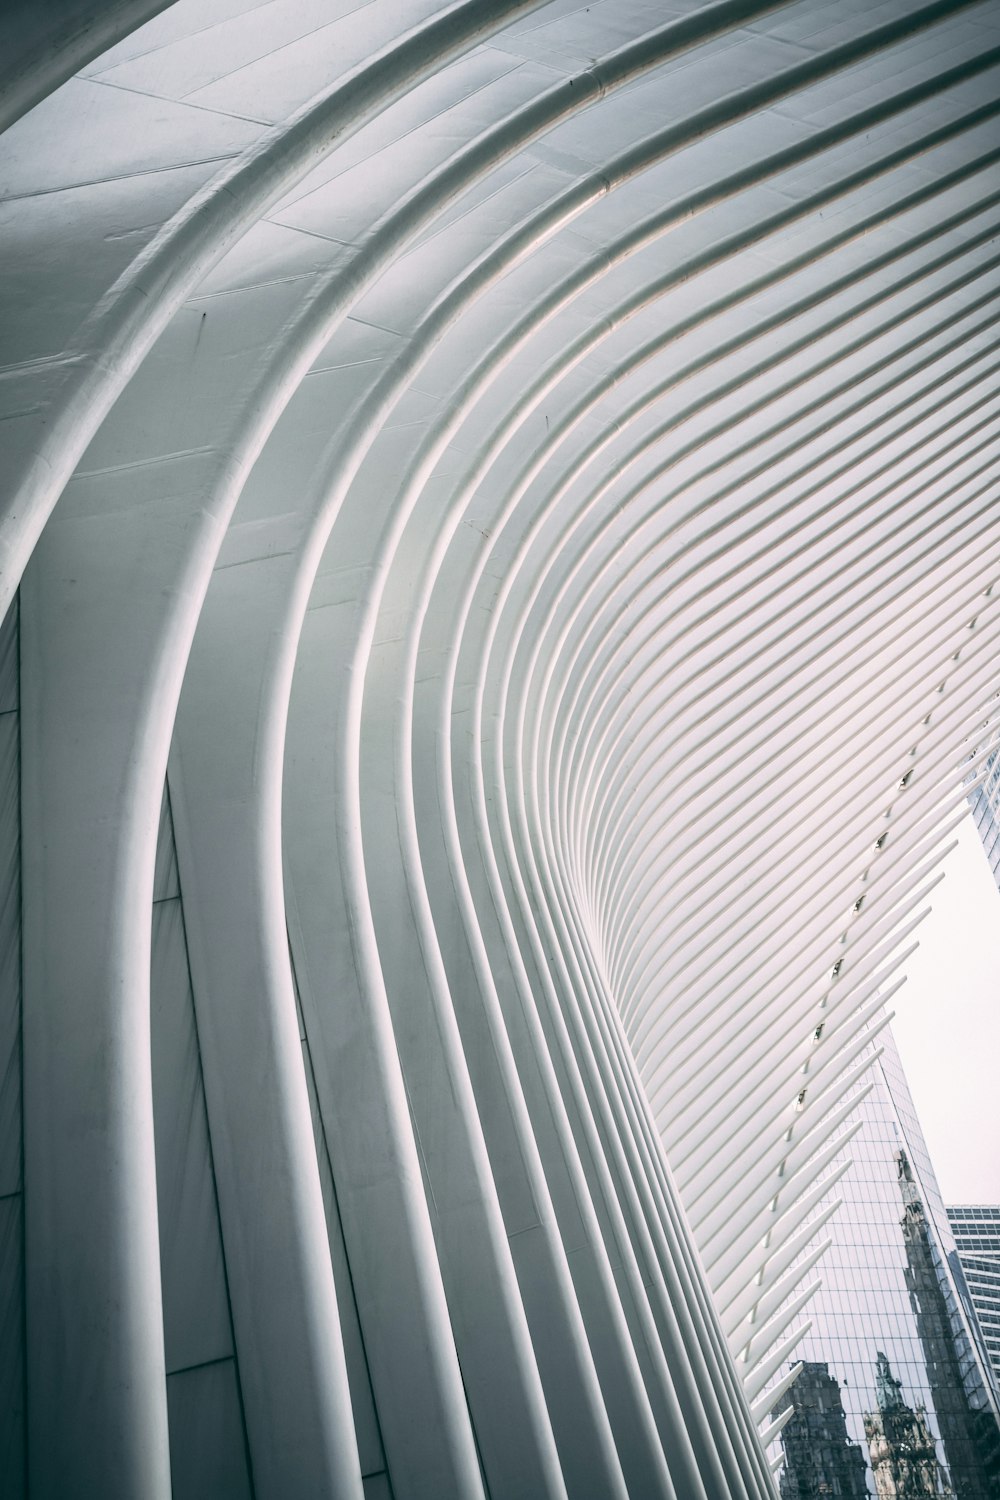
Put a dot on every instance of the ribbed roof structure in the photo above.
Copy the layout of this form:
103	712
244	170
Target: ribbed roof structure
499	532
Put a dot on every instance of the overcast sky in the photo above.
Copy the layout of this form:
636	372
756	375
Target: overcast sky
948	1026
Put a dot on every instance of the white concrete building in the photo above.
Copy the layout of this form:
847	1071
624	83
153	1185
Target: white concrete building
499	538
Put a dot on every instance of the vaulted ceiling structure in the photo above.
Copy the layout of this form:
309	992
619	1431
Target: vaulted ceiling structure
499	540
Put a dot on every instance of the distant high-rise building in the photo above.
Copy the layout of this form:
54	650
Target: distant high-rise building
976	1228
893	1346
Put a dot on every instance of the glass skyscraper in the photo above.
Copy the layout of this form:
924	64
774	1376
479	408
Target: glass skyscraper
976	1228
894	1397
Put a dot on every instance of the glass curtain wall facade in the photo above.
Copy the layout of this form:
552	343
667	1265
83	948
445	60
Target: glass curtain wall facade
976	1227
892	1343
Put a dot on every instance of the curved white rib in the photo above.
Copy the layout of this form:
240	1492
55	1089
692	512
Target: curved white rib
540	488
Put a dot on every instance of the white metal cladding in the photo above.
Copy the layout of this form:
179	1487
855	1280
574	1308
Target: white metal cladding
525	475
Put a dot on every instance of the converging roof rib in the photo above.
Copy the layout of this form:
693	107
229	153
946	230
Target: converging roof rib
500	549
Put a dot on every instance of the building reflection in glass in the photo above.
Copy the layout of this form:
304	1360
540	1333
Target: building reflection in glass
895	1397
820	1459
902	1452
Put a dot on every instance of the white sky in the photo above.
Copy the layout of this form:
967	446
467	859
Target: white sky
947	1026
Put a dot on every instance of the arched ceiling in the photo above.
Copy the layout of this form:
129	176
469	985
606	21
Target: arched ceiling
535	464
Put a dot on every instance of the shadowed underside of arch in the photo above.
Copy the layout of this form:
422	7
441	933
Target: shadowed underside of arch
499	540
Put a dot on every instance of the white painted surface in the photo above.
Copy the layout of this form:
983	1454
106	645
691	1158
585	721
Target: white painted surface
532	469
